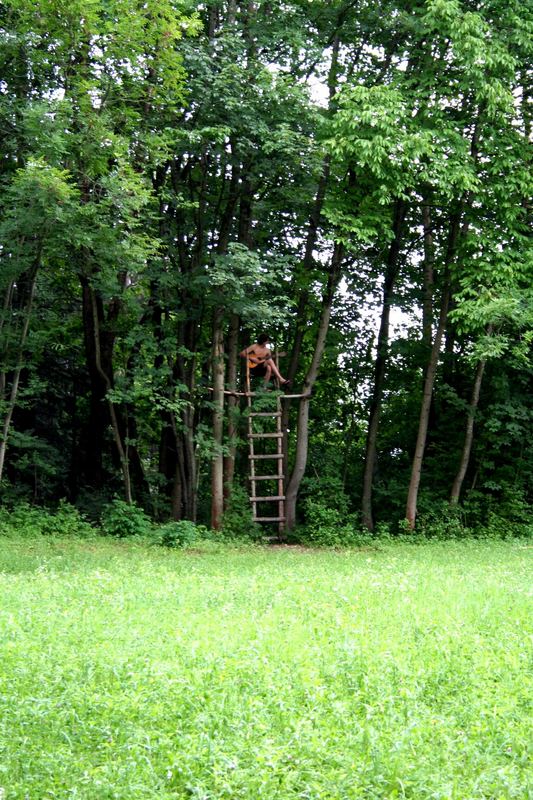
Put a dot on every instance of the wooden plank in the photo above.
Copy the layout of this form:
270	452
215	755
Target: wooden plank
269	519
265	435
267	455
267	477
265	414
267	499
263	394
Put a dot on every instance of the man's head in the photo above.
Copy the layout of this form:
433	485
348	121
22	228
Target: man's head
263	338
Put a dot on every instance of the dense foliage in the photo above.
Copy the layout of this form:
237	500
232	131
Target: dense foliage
354	178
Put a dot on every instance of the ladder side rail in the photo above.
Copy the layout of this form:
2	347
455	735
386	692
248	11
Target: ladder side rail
281	487
251	458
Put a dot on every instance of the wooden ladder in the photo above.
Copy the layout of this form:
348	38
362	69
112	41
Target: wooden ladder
277	477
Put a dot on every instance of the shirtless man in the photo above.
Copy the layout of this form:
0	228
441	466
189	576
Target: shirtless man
260	361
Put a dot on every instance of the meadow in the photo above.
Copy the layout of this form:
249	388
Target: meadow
129	671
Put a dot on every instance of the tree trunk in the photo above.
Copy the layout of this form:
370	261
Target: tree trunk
190	487
6	308
431	371
244	236
94	430
416	470
217	465
302	440
122	452
177	459
229	459
429	264
17	371
300	316
308	258
177	451
469	431
382	348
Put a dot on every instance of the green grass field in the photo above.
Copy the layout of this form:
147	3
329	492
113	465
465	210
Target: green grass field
133	672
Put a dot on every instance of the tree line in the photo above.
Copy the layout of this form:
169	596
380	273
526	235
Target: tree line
352	178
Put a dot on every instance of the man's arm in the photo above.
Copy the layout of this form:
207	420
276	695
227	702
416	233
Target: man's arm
248	352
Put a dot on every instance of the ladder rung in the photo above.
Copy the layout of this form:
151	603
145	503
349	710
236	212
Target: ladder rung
267	499
265	414
268	455
266	477
269	519
265	436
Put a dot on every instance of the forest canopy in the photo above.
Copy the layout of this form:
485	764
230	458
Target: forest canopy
352	178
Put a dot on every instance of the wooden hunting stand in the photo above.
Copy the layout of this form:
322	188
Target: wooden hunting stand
275	479
274	482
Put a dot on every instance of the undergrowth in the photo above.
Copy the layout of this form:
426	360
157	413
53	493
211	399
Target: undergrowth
321	526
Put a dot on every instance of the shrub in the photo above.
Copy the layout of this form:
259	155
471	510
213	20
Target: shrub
327	527
179	534
67	521
324	489
237	522
27	520
22	520
443	521
498	527
121	519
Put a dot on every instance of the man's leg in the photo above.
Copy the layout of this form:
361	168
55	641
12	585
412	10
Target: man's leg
275	371
268	372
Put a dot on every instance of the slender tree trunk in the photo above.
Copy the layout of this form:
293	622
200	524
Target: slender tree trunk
17	371
177	454
448	359
74	466
177	460
455	231
179	482
416	470
6	305
244	194
303	297
190	468
229	459
129	432
122	452
431	371
308	258
176	497
469	431
302	439
95	428
313	226
217	465
429	280
428	283
177	451
8	299
244	236
382	348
